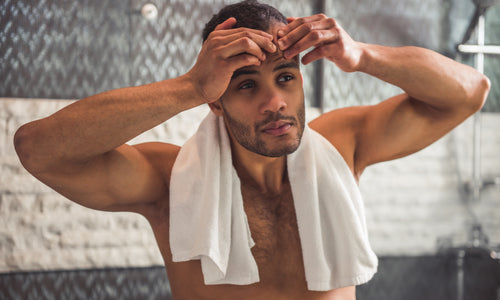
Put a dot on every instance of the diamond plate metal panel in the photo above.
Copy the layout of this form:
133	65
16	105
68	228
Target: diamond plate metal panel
62	49
437	25
124	284
397	278
167	46
72	49
385	22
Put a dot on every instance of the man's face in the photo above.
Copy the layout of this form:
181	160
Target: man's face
263	106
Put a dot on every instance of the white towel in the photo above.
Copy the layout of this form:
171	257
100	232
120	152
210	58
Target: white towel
208	221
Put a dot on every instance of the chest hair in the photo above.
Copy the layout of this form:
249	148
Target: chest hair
273	225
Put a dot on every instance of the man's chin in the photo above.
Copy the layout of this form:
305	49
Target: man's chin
284	152
283	145
281	150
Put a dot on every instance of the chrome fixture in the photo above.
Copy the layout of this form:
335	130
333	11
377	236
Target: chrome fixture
149	11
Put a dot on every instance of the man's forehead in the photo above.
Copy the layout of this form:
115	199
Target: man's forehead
276	59
276	62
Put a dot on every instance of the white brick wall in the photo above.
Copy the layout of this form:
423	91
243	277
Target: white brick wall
412	201
409	202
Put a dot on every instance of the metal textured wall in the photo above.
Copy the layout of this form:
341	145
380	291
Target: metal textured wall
398	278
72	49
385	22
437	25
62	49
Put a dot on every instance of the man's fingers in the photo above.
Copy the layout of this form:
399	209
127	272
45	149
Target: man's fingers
248	37
243	60
240	46
281	32
304	33
301	31
313	55
229	23
296	22
229	31
314	38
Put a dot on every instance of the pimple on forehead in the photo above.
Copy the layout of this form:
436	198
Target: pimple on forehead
279	54
273	58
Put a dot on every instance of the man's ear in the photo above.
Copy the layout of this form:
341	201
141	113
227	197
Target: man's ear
216	107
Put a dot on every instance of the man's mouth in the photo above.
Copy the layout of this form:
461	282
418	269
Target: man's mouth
277	128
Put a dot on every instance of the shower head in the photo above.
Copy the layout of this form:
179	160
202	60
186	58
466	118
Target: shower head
485	3
481	7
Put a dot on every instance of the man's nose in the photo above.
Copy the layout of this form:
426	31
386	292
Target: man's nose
274	101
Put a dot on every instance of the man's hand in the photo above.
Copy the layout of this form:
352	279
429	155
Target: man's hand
225	51
329	40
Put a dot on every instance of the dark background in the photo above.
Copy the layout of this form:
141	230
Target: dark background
398	278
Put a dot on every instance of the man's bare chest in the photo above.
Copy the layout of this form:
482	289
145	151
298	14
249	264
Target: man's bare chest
273	226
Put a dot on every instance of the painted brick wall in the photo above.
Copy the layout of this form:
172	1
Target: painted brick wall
410	202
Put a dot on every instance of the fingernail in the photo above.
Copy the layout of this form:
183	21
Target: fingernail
281	33
273	47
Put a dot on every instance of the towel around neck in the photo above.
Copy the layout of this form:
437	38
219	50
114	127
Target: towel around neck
208	221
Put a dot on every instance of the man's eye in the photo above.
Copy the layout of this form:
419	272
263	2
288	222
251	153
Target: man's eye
247	85
285	78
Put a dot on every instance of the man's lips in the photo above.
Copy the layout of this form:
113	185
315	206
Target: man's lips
277	128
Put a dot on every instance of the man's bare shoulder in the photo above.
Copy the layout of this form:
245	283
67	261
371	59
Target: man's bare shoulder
341	128
340	121
161	156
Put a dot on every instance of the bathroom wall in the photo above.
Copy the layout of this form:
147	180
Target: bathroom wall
92	46
436	25
71	49
410	202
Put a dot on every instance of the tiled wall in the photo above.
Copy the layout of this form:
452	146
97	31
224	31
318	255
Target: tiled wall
408	278
72	49
413	201
410	202
39	229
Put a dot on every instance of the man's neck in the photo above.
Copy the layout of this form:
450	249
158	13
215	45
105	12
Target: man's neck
267	174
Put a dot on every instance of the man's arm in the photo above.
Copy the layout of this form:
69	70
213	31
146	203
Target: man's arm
439	93
79	151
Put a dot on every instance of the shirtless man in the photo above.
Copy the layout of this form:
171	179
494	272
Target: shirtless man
246	75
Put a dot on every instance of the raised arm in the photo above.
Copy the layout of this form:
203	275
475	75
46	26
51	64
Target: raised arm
79	151
439	93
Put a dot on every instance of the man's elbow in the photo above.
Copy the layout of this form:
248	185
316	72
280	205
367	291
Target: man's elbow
480	92
26	148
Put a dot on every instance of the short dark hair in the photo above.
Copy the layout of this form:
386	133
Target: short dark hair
248	13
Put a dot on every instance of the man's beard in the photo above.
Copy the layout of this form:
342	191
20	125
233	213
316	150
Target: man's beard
242	133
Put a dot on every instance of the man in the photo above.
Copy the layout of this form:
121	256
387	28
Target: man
250	78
